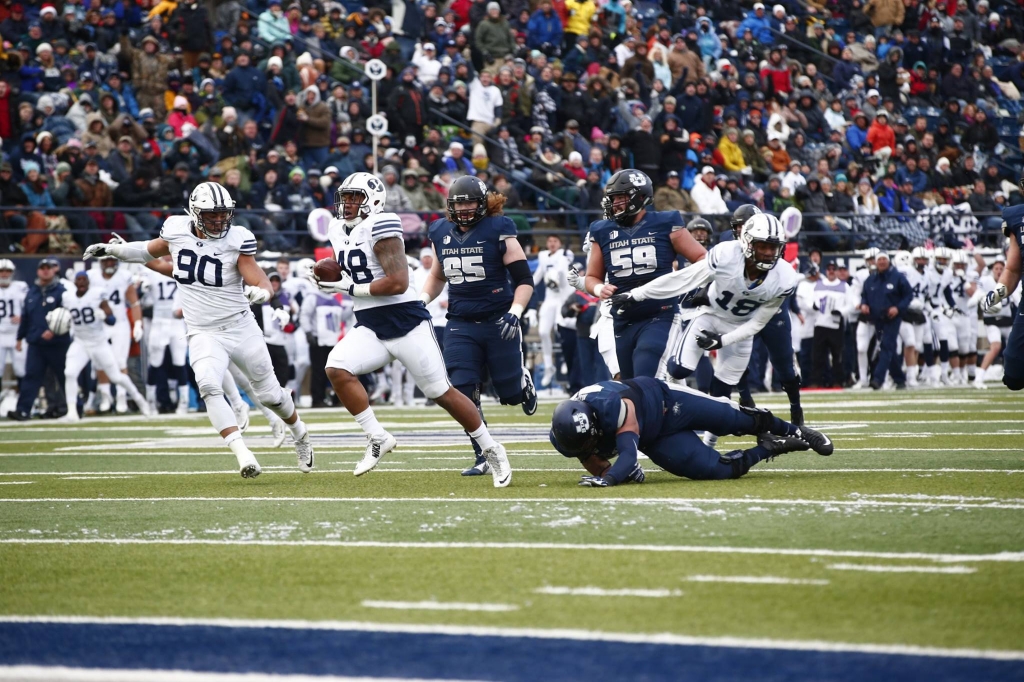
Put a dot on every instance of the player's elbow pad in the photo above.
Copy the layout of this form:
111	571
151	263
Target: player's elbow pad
520	273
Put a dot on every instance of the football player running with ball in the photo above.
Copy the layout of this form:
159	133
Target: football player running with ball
631	247
746	291
392	323
218	279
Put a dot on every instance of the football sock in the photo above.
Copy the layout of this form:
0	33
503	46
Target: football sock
862	366
482	436
298	429
368	421
945	366
104	391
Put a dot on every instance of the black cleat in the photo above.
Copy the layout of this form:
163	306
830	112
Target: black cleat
818	441
780	445
18	416
875	385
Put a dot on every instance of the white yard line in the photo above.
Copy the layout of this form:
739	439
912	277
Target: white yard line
16	482
1000	557
1011	504
539	633
651	593
28	673
955	570
753	580
437	606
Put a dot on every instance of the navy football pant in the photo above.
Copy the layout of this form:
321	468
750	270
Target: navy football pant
639	345
1013	355
473	349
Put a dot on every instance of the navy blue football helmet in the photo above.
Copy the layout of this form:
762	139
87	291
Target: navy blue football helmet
574	428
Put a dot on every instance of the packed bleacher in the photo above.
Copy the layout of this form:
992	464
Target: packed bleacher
888	123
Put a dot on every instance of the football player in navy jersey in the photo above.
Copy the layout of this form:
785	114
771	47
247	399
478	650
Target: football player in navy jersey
777	335
1013	356
613	419
489	286
632	246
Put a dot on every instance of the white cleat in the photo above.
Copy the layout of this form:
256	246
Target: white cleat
182	409
376	447
70	418
104	405
242	417
145	410
501	470
121	405
979	382
247	465
279	430
304	454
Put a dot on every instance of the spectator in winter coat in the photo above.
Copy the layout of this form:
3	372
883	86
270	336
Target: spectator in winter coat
880	134
273	25
758	23
314	129
149	70
545	29
684	63
957	84
244	86
181	116
982	133
707	195
493	36
672	197
885	13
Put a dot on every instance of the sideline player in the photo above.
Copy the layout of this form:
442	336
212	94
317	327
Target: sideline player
619	417
746	291
997	324
1013	356
476	252
167	330
392	323
552	270
297	287
632	246
90	314
218	279
865	330
961	282
12	302
118	286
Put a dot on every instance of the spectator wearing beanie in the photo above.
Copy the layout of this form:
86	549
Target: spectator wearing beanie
707	195
545	29
493	36
314	129
180	116
149	71
880	134
672	197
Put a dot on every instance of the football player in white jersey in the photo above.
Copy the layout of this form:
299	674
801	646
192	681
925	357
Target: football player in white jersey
166	330
90	315
12	301
865	330
920	307
552	269
912	317
297	286
392	323
218	279
997	321
746	290
119	287
960	282
941	315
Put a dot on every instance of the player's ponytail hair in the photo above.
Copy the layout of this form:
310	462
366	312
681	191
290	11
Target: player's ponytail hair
495	203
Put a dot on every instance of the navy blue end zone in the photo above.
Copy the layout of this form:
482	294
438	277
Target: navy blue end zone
405	654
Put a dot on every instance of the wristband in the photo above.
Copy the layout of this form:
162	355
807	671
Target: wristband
361	290
597	290
516	309
426	298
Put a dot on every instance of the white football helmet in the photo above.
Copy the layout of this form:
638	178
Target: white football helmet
211	209
960	260
941	257
763	228
6	272
304	268
59	321
903	261
373	196
869	257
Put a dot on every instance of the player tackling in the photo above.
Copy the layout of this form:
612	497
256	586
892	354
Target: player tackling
218	279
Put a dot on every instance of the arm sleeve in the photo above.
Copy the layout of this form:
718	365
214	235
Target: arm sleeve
132	252
752	326
676	283
627	443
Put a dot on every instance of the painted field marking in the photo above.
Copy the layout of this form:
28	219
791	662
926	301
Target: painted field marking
602	592
91	477
1000	557
431	605
955	570
753	580
29	673
540	633
1011	504
16	482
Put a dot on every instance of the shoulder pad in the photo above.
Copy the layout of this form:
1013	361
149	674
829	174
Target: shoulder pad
176	226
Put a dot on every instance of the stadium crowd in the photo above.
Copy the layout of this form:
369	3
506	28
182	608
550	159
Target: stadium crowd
847	110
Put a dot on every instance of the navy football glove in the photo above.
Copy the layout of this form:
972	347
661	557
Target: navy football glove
593	482
709	340
637	474
623	300
509	324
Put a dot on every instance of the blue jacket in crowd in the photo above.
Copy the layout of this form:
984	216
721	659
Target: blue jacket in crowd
883	290
544	29
38	302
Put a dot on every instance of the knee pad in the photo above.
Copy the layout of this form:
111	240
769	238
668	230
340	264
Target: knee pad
209	387
271	395
736	461
677	371
720	389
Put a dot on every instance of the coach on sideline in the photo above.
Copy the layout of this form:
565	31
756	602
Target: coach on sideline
885	298
44	348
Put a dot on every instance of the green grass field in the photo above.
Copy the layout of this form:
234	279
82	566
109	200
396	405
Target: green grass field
910	534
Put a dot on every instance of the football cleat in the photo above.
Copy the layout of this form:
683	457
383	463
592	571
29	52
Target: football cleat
501	470
104	405
247	464
780	445
979	381
279	431
376	447
529	394
242	417
818	441
304	454
146	410
479	468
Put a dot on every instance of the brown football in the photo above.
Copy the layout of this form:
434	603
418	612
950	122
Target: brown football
327	270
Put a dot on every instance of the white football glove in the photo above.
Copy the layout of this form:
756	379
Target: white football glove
256	295
992	303
342	286
281	316
530	317
95	251
576	279
137	331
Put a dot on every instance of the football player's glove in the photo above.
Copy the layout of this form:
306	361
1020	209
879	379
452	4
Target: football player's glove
593	482
345	285
509	325
256	295
576	280
709	340
530	318
992	302
623	300
637	474
281	316
137	331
